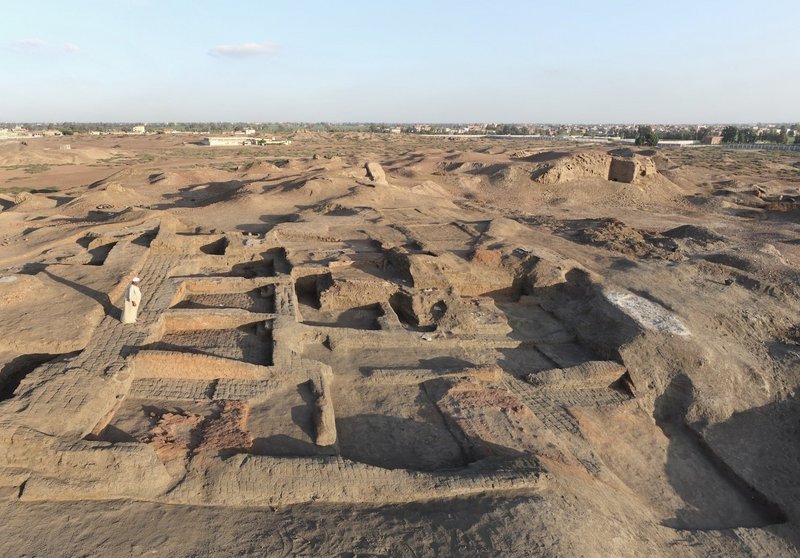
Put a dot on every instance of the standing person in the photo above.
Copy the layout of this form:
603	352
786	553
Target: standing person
133	296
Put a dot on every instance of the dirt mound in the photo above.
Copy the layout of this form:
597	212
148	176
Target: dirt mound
17	154
120	177
112	196
261	168
695	233
214	193
28	201
615	235
430	188
459	166
539	156
509	176
139	177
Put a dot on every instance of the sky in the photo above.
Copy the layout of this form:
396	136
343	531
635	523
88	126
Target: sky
513	61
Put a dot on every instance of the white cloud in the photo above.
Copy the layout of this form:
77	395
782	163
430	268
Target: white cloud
29	45
38	45
244	50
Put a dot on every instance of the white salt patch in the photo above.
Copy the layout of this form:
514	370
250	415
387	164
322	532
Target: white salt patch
8	279
646	313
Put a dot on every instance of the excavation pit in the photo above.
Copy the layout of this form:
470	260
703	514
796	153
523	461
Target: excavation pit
394	427
250	343
282	424
251	270
362	317
261	300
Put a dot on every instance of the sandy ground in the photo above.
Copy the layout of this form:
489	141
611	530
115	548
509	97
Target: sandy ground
467	307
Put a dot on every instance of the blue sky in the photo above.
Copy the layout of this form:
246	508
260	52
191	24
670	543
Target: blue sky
405	61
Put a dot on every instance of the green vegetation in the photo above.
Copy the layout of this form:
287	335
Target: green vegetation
507	130
747	135
732	134
35	169
646	136
30	169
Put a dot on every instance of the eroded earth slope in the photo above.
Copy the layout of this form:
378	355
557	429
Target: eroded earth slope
364	345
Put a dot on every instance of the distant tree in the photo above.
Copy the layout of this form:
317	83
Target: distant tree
646	136
746	135
771	136
510	130
678	135
730	134
783	136
702	133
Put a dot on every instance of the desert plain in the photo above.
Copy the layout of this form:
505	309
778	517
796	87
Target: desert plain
380	345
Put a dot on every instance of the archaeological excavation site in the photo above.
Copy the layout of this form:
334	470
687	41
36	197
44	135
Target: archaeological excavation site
357	345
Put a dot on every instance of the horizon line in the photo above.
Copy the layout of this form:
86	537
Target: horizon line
398	123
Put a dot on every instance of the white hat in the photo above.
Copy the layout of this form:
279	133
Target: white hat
135	280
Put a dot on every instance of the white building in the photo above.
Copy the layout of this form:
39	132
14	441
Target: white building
139	130
229	140
242	140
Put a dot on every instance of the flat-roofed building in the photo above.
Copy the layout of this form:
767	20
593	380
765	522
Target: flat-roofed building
241	140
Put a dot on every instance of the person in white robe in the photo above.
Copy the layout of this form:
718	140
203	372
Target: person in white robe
133	296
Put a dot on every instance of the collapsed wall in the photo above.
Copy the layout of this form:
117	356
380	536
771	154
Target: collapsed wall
627	169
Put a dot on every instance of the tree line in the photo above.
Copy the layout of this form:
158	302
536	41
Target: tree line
732	134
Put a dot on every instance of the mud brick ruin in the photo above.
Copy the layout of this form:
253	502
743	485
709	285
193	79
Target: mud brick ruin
327	338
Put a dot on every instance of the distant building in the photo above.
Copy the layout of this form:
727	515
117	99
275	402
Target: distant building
229	140
676	143
241	140
139	130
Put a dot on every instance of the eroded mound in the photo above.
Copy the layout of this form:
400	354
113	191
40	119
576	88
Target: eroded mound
533	344
629	169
